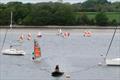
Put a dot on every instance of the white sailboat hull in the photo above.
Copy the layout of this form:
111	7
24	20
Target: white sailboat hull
115	61
13	52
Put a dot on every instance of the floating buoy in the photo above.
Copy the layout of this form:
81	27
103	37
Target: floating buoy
87	34
29	36
39	34
100	64
66	34
67	76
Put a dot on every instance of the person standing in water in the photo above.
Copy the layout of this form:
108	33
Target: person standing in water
57	68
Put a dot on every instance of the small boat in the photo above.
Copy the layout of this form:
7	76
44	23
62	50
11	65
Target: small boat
114	61
37	51
13	52
66	34
87	34
29	36
59	32
57	73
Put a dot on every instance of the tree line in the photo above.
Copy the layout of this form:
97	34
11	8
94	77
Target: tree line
49	13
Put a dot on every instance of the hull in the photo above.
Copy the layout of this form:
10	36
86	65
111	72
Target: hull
37	61
13	52
57	74
113	62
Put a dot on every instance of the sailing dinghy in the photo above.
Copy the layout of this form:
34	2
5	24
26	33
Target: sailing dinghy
15	49
113	61
11	50
37	51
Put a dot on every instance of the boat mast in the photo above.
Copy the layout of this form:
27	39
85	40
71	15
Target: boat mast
110	43
7	32
11	19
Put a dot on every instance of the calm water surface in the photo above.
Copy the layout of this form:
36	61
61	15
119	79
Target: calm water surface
77	56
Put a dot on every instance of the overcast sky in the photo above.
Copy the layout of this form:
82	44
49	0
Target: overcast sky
35	1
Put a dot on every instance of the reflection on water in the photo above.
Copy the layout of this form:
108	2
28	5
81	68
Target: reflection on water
77	56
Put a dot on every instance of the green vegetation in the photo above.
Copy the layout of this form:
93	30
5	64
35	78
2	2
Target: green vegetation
111	15
91	12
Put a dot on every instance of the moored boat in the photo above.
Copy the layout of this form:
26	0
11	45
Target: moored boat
114	61
13	52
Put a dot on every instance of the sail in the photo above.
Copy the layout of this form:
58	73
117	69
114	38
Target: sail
37	52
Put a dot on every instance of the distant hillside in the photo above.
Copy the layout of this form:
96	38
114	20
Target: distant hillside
97	5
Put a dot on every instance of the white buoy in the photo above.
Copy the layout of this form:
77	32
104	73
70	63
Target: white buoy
67	77
100	64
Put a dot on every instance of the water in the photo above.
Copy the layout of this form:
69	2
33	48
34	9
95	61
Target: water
77	56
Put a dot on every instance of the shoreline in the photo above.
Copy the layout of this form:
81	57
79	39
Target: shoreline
53	31
59	27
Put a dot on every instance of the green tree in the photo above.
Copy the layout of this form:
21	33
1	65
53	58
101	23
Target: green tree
63	15
83	19
114	22
101	19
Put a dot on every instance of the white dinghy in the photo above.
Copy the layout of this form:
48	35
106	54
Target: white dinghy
114	61
14	49
13	52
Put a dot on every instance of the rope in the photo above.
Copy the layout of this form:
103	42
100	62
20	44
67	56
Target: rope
110	43
4	40
85	69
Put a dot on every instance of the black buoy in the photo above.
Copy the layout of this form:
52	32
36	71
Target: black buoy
57	73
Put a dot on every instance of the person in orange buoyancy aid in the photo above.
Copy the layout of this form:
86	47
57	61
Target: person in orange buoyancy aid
37	51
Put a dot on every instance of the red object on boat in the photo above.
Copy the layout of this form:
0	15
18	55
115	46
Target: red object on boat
37	52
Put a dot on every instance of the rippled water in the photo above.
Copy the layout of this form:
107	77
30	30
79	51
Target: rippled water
77	56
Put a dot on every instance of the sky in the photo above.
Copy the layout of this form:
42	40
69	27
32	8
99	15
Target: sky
35	1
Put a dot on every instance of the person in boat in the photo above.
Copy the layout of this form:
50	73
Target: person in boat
57	72
57	68
33	58
11	46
